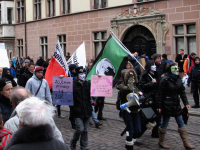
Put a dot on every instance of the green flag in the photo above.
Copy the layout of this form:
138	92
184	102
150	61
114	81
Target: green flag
110	61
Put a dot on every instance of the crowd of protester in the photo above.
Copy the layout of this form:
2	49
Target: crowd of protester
27	108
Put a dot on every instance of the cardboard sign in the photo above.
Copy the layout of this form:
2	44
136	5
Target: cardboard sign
63	91
101	86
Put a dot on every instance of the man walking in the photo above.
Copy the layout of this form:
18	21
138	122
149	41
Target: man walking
180	58
39	86
189	63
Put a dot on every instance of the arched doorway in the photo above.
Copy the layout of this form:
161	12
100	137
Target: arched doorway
138	39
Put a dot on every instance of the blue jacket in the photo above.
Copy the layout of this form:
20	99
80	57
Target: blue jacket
12	71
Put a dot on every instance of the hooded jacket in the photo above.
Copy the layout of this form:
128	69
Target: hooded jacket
13	125
44	93
168	96
35	138
5	108
126	85
9	76
25	77
5	136
188	64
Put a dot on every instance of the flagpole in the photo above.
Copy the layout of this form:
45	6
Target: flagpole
129	52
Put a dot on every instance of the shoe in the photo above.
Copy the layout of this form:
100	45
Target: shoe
62	117
101	118
195	106
155	135
161	142
91	123
98	124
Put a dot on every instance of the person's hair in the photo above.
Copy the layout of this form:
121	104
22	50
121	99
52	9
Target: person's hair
35	112
31	63
45	64
155	56
16	98
164	56
90	62
181	49
1	119
192	54
168	67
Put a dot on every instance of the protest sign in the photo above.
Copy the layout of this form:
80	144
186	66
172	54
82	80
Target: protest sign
63	91
101	86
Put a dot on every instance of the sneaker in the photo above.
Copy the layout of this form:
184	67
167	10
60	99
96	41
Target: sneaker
62	117
195	106
98	124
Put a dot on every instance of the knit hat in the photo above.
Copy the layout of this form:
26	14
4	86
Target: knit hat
27	61
39	69
196	58
72	67
4	82
164	55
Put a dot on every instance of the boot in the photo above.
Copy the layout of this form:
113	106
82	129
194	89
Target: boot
161	142
184	138
129	145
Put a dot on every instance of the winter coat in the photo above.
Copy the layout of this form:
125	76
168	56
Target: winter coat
168	96
25	77
126	85
12	71
5	108
22	70
40	62
194	77
188	64
178	60
44	93
5	136
35	138
160	70
13	125
82	106
9	77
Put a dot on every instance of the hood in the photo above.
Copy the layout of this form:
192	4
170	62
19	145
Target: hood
34	76
125	74
5	70
130	64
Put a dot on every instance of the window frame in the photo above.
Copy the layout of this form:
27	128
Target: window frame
20	11
63	43
65	7
20	49
51	9
44	47
37	9
185	36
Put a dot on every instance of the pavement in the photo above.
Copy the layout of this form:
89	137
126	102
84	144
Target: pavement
108	136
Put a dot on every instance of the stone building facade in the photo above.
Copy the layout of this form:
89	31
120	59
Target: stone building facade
156	26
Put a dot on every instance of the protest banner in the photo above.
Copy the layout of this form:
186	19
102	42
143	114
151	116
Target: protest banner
101	86
63	91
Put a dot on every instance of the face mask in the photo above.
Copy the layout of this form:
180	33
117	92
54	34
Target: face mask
175	70
82	76
153	68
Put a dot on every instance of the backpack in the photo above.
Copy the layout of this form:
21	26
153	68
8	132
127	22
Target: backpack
169	61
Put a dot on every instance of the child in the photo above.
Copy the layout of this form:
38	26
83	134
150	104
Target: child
5	134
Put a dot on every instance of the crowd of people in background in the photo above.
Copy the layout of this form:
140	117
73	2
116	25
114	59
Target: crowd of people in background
156	77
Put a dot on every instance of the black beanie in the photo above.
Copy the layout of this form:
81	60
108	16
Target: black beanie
196	58
4	82
72	67
164	55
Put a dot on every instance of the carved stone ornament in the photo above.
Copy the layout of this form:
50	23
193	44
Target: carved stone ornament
137	11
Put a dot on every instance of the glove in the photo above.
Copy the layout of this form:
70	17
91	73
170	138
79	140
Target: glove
94	104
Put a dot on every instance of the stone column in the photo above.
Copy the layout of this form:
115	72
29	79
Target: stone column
159	38
114	28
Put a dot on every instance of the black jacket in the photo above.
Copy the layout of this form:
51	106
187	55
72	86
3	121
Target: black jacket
5	108
180	64
35	138
25	77
160	70
194	74
40	62
82	106
168	96
9	76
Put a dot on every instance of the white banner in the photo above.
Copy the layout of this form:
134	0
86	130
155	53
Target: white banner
78	57
59	57
4	61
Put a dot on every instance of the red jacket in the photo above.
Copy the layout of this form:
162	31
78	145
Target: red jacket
5	136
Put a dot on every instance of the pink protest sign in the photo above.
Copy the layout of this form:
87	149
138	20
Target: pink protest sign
101	86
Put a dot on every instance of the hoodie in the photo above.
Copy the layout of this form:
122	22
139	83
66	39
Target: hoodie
44	93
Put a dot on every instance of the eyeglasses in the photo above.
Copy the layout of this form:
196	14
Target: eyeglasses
175	68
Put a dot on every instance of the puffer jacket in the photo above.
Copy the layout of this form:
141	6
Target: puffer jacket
44	93
82	106
5	108
13	125
126	85
25	77
168	96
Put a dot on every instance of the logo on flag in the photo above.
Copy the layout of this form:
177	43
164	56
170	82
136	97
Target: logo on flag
105	67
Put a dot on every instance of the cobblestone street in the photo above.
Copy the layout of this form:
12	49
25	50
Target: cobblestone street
108	137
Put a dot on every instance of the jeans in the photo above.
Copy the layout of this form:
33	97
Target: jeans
94	116
81	132
133	125
100	106
165	121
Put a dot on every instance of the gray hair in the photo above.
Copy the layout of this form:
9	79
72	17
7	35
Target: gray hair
35	112
16	97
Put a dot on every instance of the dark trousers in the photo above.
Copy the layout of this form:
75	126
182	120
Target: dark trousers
58	110
158	121
196	90
100	106
71	118
133	125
